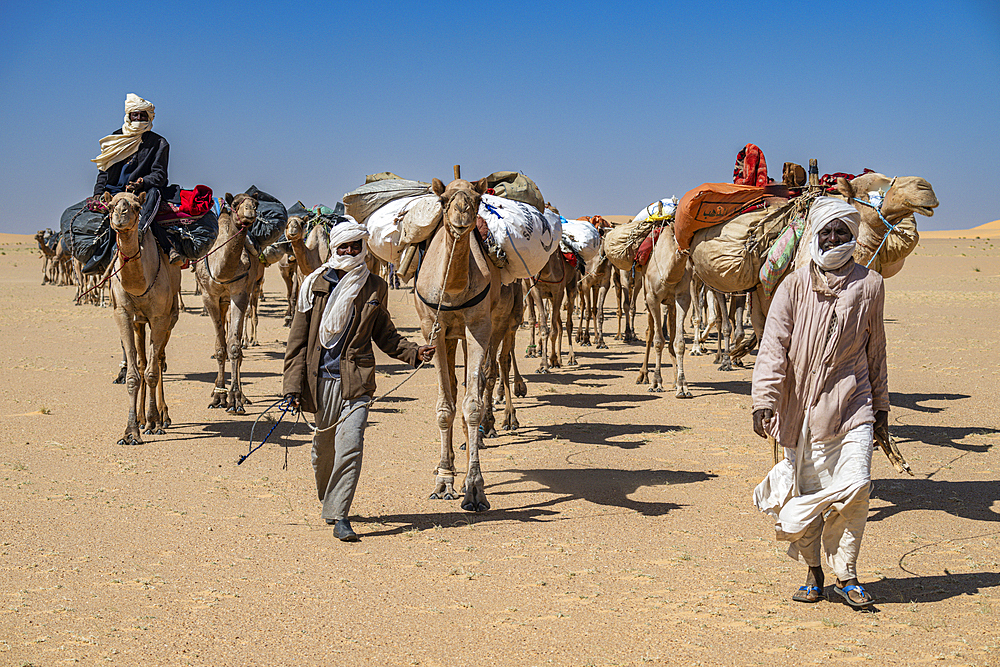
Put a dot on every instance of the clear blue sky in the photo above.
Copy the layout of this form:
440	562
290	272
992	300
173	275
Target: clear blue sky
606	105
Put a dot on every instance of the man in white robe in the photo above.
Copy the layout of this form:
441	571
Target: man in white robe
820	388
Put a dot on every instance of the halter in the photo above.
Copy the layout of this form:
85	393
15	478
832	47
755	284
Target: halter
889	227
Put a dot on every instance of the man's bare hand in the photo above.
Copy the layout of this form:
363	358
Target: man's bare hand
760	418
882	424
293	401
425	352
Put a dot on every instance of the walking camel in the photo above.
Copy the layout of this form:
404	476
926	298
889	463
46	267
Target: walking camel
228	274
665	279
144	293
457	288
507	317
594	286
557	280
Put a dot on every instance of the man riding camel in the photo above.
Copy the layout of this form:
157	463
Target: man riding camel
134	159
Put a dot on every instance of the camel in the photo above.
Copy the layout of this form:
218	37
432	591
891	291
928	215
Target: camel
456	289
63	260
594	286
507	316
143	293
666	279
904	197
557	280
48	255
228	275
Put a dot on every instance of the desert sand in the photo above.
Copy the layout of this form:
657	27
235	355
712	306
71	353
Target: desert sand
622	530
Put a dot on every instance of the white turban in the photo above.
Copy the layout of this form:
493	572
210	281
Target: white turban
823	211
117	147
337	313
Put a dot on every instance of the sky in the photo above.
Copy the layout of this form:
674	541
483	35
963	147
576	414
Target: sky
607	106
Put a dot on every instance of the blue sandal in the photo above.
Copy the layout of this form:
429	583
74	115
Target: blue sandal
867	598
809	594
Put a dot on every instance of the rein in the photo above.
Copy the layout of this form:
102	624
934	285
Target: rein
889	227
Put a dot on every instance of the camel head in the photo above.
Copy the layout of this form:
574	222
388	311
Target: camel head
295	228
460	203
904	196
125	208
243	207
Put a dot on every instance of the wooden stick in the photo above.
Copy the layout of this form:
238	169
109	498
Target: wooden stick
458	172
813	173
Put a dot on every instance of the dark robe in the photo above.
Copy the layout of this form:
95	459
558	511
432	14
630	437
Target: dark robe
148	163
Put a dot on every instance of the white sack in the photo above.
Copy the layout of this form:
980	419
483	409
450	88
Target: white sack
582	238
669	208
421	219
526	236
384	229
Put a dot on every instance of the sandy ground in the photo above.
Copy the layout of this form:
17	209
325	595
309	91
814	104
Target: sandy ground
621	532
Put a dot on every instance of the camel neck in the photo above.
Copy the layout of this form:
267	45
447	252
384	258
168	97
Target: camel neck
458	276
131	262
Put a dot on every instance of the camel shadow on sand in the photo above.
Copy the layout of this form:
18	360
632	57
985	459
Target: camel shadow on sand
932	588
590	433
965	499
608	487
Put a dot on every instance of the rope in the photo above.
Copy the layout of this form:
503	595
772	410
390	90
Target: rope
285	404
890	230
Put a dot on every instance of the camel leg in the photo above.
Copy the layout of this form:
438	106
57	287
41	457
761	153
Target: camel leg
725	333
510	422
532	350
617	281
538	303
655	323
737	306
678	310
217	310
124	321
570	307
444	483
757	317
602	294
237	319
142	363
475	486
644	369
154	376
488	422
520	388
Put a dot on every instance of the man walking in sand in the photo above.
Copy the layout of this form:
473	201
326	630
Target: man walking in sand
330	364
819	385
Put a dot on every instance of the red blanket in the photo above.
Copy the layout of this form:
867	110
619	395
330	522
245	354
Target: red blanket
645	250
571	258
751	168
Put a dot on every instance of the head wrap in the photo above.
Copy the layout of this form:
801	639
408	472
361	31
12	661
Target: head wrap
117	147
338	310
824	210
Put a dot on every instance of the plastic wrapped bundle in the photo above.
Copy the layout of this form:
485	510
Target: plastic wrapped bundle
87	233
524	234
193	237
384	229
370	197
271	219
582	238
421	219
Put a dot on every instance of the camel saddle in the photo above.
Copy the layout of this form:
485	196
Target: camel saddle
712	204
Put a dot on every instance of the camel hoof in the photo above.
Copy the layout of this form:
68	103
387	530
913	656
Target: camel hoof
572	362
684	393
236	410
148	432
726	366
602	345
159	431
642	379
492	433
520	390
462	448
656	388
212	406
475	506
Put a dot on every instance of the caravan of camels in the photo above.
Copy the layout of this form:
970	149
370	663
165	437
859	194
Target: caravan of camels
483	259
